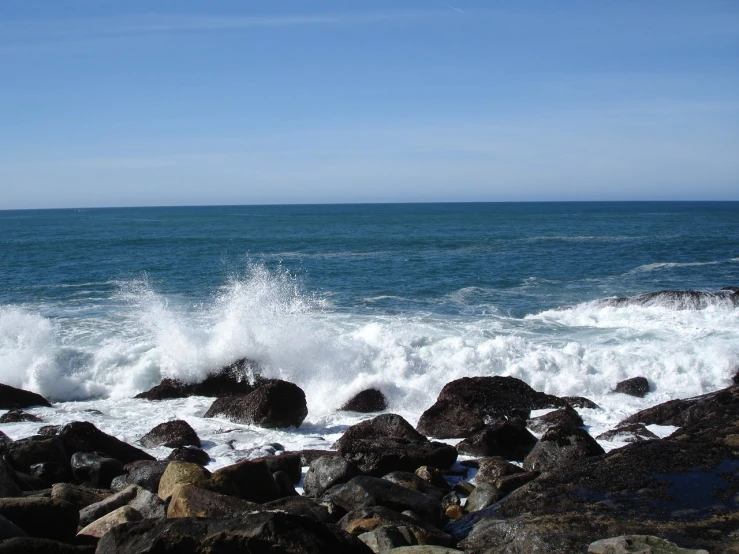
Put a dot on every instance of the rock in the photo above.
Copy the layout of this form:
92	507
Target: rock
367	401
44	518
12	398
628	433
509	440
506	485
469	404
735	378
483	496
415	483
236	378
96	470
307	456
42	546
450	499
50	473
190	455
172	434
148	504
98	528
327	471
434	476
276	404
381	456
300	506
49	430
24	453
83	436
464	488
494	468
383	539
8	530
18	416
636	386
365	491
192	501
641	544
561	445
381	427
252	479
580	402
5	440
289	462
180	473
678	412
564	417
141	500
678	299
77	495
275	532
423	550
144	473
8	486
365	520
284	484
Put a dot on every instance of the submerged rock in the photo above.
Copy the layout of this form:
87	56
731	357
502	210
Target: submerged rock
18	416
367	401
679	299
636	386
628	433
12	398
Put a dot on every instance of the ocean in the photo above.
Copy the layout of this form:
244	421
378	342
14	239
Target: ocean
97	305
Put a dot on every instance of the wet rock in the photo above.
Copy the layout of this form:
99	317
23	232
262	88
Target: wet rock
509	440
192	501
327	471
236	378
29	545
96	470
5	440
628	433
50	473
172	434
469	404
494	468
641	544
12	398
680	412
141	500
190	455
307	456
636	386
366	491
262	531
49	430
95	530
276	404
179	473
415	483
367	401
289	462
24	453
385	538
45	518
434	476
144	473
284	484
506	485
564	417
365	520
300	506
381	456
18	416
464	488
483	496
381	427
83	436
580	402
561	445
252	479
77	495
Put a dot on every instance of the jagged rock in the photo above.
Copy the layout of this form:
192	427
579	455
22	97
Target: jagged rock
509	440
641	544
494	468
367	401
365	520
83	436
415	483
180	473
253	480
44	518
171	434
18	416
144	473
192	501
289	462
24	453
258	532
96	470
327	471
561	445
79	496
189	455
469	404
12	398
276	404
628	433
300	506
29	545
564	417
365	491
95	530
636	386
236	378
580	402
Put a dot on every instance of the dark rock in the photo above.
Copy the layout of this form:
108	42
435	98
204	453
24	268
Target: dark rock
381	456
189	454
506	485
636	386
415	483
50	472
387	538
434	476
284	484
181	473
628	433
24	453
505	439
261	532
5	440
96	470
483	496
144	473
365	491
29	545
494	468
327	471
30	485
79	496
49	430
644	544
561	445
450	499
12	398
83	436
8	530
18	416
580	402
236	378
289	462
44	518
8	483
172	434
678	299
253	480
564	417
469	404
365	520
192	501
367	401
307	456
735	378
677	412
381	427
300	506
275	404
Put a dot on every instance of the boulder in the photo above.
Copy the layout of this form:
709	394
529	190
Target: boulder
483	496
642	544
561	445
284	484
253	480
679	412
13	398
5	440
49	430
415	483
509	440
367	401
300	506
49	473
494	468
580	402
236	378
381	427
564	417
144	502
423	550
192	501
77	495
24	453
83	436
44	518
365	491
255	532
469	404
180	473
8	481
276	404
365	520
289	462
172	434
18	416
96	470
190	455
433	476
29	545
95	530
327	471
382	539
307	456
8	530
628	433
636	386
144	473
381	456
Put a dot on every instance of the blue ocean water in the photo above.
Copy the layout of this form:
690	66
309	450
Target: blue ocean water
99	304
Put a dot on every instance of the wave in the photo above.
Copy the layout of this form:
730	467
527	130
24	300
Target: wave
672	265
679	299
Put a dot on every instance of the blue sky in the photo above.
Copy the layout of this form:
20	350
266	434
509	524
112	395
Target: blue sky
122	103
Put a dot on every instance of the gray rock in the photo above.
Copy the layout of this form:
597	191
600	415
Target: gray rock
385	538
147	504
327	471
483	496
563	417
628	433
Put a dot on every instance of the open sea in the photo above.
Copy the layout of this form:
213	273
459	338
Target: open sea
97	305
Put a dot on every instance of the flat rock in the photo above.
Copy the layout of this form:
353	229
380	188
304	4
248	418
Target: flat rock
509	440
367	401
12	398
636	386
639	544
83	436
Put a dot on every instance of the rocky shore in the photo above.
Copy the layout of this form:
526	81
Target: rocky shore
385	486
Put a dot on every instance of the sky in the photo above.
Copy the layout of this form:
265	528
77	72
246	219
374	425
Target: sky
152	102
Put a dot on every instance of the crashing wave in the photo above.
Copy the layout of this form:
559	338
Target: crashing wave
678	299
